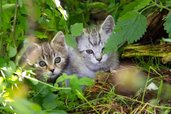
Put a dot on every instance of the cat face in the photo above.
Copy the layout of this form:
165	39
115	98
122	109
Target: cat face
92	42
49	58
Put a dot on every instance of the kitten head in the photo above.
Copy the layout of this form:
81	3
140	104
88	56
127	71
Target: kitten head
91	43
49	58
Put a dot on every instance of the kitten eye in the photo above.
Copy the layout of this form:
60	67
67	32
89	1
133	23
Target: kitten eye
103	49
57	60
42	63
89	51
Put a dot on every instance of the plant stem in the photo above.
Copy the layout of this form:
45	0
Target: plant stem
150	6
1	32
57	88
14	23
143	103
161	6
82	97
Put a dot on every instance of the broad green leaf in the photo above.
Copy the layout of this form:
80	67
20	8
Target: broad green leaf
130	28
12	51
167	24
76	29
71	41
50	102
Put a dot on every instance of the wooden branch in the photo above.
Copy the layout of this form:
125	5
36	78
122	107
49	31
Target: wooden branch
160	50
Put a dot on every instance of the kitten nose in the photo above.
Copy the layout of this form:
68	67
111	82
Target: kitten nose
99	59
52	70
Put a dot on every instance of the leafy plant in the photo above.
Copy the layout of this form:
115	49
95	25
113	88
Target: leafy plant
20	93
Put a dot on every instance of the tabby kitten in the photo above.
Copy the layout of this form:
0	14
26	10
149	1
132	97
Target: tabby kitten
49	58
89	58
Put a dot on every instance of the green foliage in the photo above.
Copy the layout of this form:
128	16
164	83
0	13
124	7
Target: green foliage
12	51
125	30
167	25
76	29
43	18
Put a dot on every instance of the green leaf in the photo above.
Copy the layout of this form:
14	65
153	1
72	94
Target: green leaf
142	4
23	106
111	46
50	102
8	6
71	41
167	40
64	77
2	62
10	68
40	35
167	24
86	81
97	5
130	28
12	51
76	29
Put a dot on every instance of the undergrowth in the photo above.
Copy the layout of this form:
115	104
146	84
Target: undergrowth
21	93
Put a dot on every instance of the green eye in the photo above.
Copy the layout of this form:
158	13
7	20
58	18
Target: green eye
42	63
89	51
57	60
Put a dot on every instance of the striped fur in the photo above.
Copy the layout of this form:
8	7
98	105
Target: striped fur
91	44
49	59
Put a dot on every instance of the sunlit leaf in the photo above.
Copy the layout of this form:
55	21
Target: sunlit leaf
10	68
71	41
23	106
40	35
86	81
167	39
12	51
76	29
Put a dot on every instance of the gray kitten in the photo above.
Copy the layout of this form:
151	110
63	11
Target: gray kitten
89	57
48	59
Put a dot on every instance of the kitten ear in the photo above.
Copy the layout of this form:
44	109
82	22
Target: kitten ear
108	25
59	39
